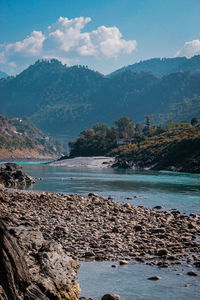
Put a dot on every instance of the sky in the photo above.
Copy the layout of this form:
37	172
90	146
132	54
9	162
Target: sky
102	34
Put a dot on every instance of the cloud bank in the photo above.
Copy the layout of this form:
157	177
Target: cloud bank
189	49
67	40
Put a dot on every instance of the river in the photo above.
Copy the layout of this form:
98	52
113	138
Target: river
148	188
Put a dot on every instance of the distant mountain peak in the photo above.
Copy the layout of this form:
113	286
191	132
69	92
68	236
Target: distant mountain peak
3	75
164	66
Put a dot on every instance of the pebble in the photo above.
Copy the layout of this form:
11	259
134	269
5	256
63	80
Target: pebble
162	252
154	278
123	262
158	207
111	297
192	273
99	228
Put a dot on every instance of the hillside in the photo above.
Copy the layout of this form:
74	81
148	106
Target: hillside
174	150
164	66
20	138
64	101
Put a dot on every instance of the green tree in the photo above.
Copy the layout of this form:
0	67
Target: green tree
102	127
147	125
194	121
125	126
139	129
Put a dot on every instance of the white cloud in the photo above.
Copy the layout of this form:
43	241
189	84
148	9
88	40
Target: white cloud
3	59
67	40
189	49
104	41
32	45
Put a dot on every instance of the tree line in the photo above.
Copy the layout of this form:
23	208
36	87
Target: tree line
102	139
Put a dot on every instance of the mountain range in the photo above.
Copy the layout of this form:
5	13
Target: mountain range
63	101
3	75
164	66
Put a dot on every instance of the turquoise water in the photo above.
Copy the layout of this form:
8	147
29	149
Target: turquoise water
130	282
23	163
149	188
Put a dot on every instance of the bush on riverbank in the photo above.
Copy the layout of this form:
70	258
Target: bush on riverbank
149	147
175	148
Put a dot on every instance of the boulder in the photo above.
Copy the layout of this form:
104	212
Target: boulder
33	268
12	176
15	280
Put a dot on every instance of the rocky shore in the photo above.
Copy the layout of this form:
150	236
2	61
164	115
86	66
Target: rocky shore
98	228
44	235
189	165
11	175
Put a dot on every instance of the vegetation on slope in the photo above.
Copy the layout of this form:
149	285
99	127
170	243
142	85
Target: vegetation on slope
20	138
176	147
67	100
164	66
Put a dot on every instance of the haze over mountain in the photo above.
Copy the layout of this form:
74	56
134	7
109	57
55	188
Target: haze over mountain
65	100
164	66
3	75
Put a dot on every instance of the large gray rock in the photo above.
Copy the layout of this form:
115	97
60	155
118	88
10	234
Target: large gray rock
36	261
11	175
15	280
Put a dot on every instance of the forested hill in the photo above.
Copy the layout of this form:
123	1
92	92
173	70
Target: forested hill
164	66
47	84
67	100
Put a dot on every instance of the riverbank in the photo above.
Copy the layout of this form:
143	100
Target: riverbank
85	162
98	228
68	219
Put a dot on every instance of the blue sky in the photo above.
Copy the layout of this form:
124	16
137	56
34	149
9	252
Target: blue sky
103	34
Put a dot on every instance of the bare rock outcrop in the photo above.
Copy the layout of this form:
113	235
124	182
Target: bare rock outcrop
15	280
11	175
33	269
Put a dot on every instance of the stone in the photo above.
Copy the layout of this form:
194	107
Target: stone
138	228
162	252
155	278
158	230
192	273
123	262
111	297
158	207
197	264
89	254
93	195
